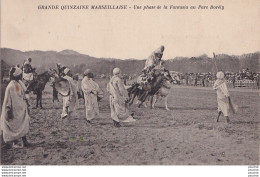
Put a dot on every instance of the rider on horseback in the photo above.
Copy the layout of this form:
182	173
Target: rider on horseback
154	59
29	74
151	78
61	69
152	63
28	70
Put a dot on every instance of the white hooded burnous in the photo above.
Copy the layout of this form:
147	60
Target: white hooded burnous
154	59
15	117
118	98
70	102
223	98
222	94
90	89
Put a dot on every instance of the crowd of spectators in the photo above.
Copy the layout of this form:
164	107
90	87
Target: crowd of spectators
232	78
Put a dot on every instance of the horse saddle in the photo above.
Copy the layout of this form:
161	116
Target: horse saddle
62	86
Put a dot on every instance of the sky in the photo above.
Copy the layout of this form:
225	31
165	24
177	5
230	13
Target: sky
132	33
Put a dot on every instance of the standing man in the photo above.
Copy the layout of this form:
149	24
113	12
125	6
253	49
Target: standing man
15	115
70	101
187	78
118	99
196	79
234	80
222	96
203	80
90	89
257	80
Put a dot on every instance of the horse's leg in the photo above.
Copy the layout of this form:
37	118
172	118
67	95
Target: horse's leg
151	102
37	99
132	98
155	97
139	95
142	99
57	97
131	90
166	103
53	97
40	99
147	100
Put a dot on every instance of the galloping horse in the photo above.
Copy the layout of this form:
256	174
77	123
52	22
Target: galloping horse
150	89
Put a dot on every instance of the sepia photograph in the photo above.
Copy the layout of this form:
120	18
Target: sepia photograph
130	82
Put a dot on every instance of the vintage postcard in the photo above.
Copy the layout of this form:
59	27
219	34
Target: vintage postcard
130	82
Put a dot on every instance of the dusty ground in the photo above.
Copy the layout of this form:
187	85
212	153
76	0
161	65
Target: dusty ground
186	135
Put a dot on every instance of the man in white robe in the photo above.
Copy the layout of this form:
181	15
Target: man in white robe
15	115
70	101
223	97
90	89
154	59
118	99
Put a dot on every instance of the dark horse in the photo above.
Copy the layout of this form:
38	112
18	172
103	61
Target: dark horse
150	89
38	85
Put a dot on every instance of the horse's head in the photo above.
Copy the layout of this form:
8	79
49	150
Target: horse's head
51	75
175	77
167	76
52	72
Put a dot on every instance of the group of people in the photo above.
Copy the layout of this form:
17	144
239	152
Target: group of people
15	115
92	93
15	112
205	79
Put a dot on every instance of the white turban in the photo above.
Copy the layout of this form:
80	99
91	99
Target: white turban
66	70
17	72
87	71
116	71
220	75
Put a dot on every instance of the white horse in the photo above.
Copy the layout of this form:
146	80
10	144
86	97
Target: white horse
164	91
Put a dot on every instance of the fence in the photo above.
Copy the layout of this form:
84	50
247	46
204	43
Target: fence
239	83
247	84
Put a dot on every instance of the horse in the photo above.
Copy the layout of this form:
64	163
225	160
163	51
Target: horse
38	84
164	91
150	89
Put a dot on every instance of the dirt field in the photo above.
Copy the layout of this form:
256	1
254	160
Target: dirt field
186	135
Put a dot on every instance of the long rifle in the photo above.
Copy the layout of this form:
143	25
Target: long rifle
214	58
